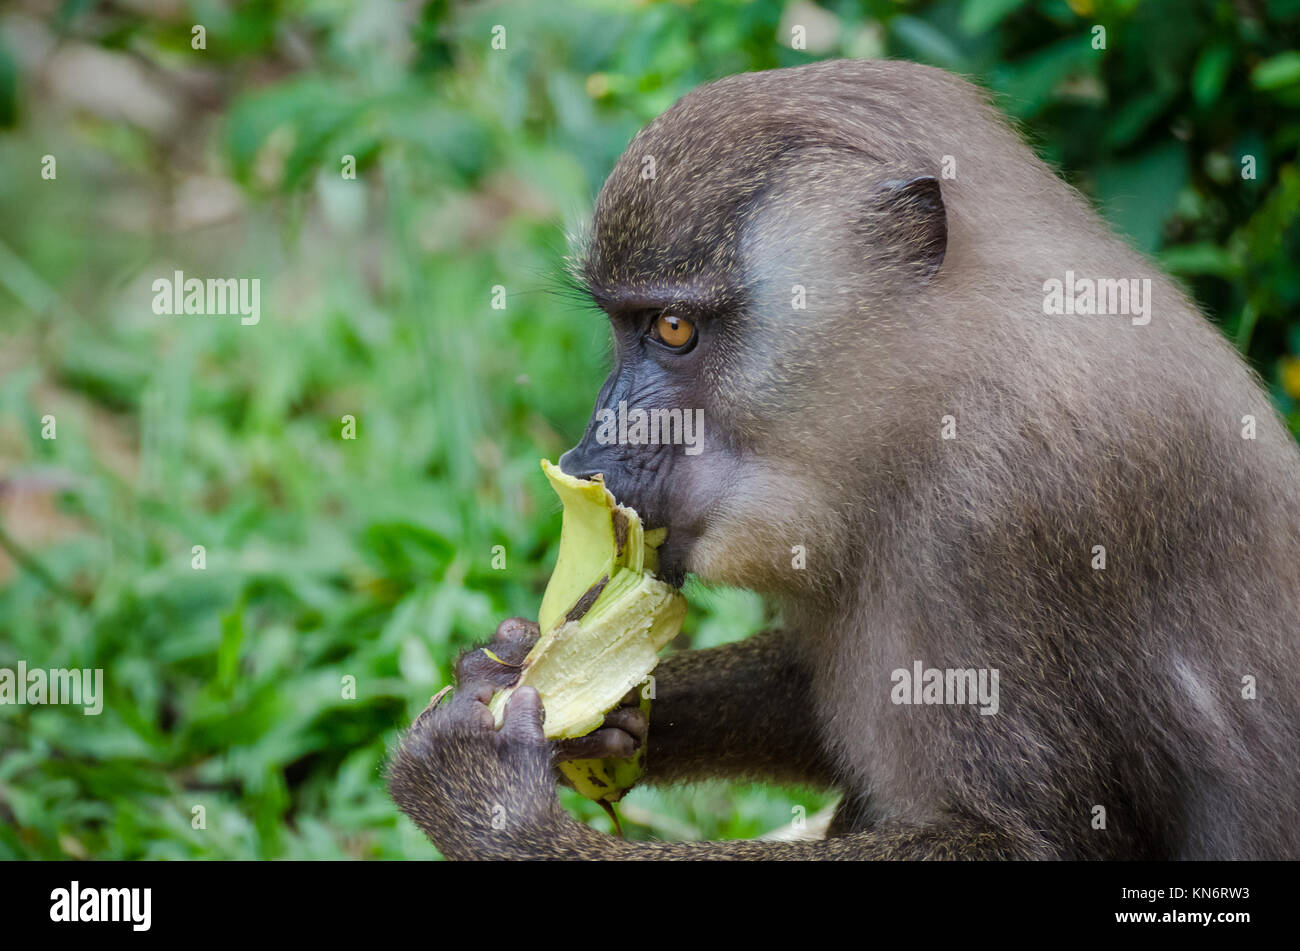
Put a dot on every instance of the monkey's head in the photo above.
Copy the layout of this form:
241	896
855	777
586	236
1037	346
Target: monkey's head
756	249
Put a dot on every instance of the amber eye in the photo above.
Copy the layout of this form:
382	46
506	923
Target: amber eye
674	331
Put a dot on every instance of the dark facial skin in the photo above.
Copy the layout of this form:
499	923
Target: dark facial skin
656	480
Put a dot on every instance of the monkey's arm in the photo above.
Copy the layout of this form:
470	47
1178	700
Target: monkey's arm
482	793
740	711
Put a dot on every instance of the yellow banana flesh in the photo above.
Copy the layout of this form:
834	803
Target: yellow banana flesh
604	618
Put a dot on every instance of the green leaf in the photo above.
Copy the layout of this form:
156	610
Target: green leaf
1203	258
232	636
1210	73
1029	84
927	42
1280	71
1135	116
8	87
980	15
1137	194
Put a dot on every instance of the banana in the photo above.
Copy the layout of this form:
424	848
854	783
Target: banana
604	618
608	780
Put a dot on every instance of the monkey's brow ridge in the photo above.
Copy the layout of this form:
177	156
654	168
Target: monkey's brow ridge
696	297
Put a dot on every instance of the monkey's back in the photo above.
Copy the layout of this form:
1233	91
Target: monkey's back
1162	682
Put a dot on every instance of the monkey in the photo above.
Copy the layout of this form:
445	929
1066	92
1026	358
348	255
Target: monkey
1096	504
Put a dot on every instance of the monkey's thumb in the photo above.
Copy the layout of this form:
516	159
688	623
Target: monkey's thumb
524	717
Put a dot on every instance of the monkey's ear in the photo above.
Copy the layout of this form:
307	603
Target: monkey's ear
916	222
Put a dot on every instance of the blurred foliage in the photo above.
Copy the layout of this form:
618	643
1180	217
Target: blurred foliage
371	558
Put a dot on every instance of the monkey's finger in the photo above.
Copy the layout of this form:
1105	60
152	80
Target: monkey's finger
629	720
468	709
517	636
524	717
477	693
432	705
604	743
632	698
486	666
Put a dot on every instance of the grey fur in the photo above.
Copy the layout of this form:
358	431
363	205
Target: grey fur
1121	687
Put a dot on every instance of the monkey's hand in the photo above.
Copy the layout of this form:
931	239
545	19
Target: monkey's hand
619	736
476	791
498	663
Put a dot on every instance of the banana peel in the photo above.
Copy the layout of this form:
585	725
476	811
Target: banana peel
604	618
606	781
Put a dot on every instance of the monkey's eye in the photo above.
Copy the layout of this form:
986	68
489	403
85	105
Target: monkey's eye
673	331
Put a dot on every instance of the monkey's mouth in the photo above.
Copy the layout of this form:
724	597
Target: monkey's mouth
672	560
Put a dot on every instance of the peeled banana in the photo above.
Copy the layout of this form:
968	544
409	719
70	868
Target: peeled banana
604	618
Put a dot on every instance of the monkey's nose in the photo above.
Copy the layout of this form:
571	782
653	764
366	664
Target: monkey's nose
574	465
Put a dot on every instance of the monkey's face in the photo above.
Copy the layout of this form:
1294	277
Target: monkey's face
706	431
653	434
735	252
